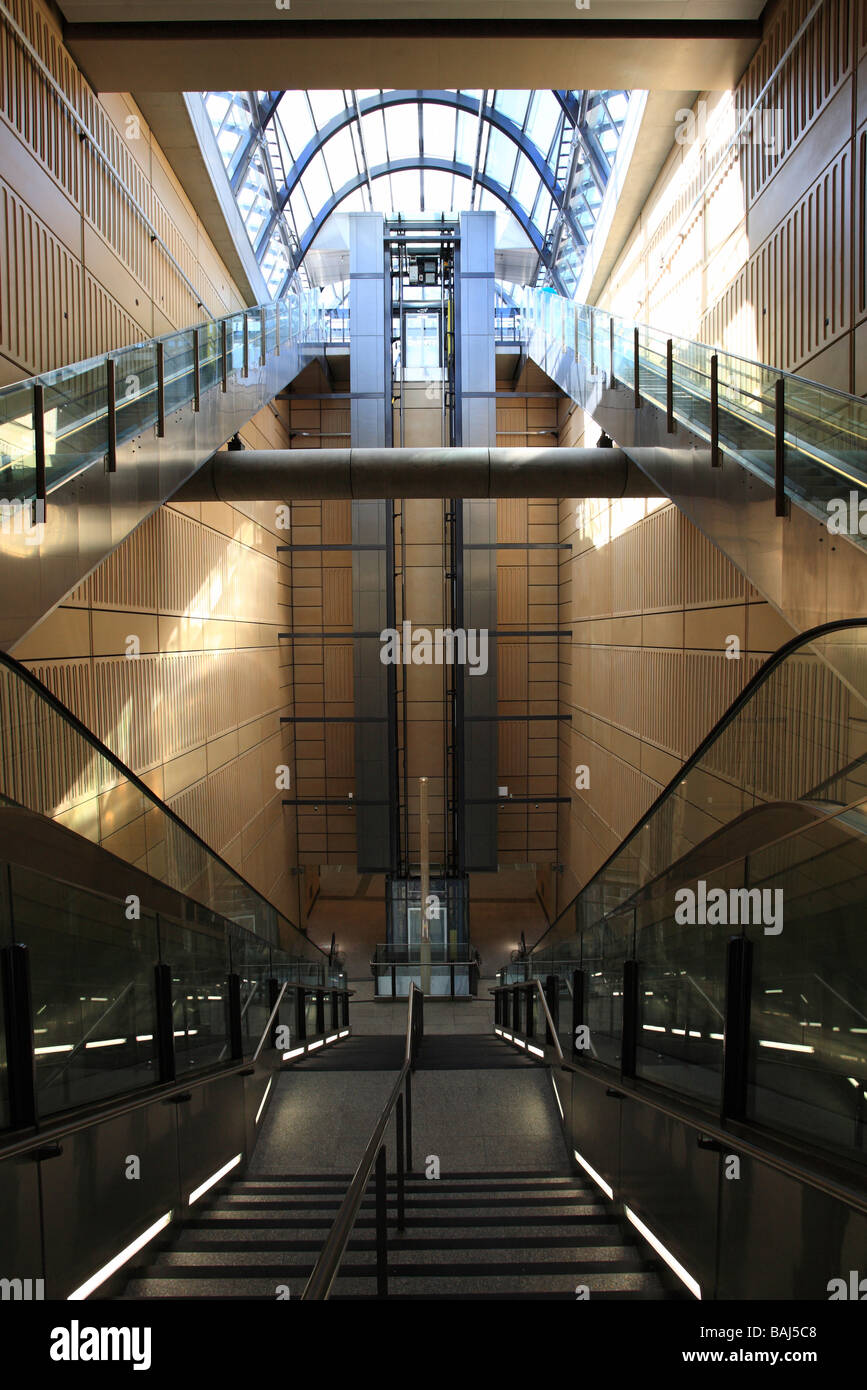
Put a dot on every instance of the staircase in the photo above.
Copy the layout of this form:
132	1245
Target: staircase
516	1225
510	1235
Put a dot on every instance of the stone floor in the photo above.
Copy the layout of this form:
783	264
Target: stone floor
319	1121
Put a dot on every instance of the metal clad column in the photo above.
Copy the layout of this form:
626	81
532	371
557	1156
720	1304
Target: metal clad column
371	579
477	731
367	342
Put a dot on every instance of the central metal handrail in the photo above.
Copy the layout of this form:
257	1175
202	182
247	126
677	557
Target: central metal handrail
325	1271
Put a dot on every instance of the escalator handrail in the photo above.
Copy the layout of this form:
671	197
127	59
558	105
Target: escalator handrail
632	324
95	363
21	672
802	639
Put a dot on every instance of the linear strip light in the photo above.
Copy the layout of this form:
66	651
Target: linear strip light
107	1270
557	1094
600	1181
215	1178
664	1254
262	1103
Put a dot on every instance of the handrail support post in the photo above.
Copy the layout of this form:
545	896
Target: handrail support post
780	501
400	1164
669	386
715	458
381	1226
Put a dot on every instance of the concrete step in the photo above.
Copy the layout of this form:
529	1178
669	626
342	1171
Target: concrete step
474	1235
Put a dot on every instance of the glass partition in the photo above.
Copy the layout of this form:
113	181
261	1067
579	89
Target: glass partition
824	431
76	397
92	987
50	763
94	1003
763	834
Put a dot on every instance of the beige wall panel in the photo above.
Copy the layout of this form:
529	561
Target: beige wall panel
40	290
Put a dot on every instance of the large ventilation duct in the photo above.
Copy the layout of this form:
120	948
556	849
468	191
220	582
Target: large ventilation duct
280	475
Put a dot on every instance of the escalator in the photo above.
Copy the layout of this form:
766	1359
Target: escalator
708	990
771	467
149	997
89	451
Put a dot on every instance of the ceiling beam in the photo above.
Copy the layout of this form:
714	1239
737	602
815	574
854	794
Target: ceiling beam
241	55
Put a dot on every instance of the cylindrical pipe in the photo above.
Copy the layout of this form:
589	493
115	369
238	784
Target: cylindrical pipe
255	475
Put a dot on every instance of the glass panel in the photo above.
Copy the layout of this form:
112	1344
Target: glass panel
87	792
178	368
808	1063
76	431
210	355
681	1000
199	964
251	960
786	774
310	1015
606	948
92	982
17	456
135	378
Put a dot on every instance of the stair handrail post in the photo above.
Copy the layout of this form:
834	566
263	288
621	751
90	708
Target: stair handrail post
381	1225
327	1266
400	1161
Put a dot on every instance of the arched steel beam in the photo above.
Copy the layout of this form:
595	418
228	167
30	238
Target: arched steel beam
447	166
459	101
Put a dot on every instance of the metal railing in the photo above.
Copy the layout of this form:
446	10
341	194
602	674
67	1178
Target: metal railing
55	425
442	970
528	1010
399	1103
807	441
